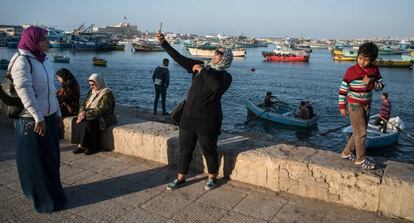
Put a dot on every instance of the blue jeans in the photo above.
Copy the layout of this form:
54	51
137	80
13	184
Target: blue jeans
38	161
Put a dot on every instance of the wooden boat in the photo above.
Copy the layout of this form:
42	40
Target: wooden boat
337	52
350	53
284	115
4	63
375	138
394	63
210	52
60	59
271	56
146	45
118	46
388	51
343	58
99	62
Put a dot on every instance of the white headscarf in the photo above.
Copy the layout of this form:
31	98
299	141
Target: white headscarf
99	81
98	93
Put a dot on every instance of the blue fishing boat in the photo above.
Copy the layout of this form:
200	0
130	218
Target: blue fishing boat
375	138
58	38
282	115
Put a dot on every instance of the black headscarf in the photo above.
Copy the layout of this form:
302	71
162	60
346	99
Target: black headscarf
69	81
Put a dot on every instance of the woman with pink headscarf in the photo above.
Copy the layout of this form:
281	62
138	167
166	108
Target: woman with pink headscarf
37	152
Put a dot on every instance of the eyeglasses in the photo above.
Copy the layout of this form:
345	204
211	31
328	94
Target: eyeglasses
219	52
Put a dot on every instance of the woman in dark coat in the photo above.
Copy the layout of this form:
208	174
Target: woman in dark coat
202	114
68	95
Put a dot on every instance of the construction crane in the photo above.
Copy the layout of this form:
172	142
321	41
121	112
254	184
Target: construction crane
82	29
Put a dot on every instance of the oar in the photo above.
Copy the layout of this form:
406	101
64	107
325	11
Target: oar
249	120
398	128
333	130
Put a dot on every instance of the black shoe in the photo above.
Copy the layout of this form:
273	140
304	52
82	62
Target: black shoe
78	150
165	113
90	152
175	184
154	113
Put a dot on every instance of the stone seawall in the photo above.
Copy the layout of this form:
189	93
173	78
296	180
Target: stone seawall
298	170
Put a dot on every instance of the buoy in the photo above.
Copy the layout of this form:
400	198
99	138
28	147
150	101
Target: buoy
253	69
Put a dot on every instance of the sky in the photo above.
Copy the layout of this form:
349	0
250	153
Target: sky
262	18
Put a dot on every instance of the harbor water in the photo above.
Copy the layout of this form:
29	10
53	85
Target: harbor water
129	75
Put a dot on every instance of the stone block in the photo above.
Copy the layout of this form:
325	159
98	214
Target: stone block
149	140
397	190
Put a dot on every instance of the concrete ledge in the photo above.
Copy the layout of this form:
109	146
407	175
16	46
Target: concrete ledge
397	190
302	171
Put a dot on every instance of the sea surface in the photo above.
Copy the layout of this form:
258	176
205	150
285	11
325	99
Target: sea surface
129	75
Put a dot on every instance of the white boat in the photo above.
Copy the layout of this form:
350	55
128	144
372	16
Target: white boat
375	138
240	52
148	45
60	59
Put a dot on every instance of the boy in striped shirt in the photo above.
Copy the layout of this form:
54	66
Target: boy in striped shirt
357	85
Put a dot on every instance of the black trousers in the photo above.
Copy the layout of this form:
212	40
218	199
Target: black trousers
86	134
208	145
159	90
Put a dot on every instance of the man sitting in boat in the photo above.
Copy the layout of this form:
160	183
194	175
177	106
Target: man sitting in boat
303	111
385	113
270	104
310	108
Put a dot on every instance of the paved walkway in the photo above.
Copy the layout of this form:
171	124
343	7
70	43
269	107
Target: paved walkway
109	187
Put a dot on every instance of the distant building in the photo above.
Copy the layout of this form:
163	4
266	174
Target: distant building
122	30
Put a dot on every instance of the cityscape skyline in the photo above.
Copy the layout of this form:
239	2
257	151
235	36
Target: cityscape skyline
299	18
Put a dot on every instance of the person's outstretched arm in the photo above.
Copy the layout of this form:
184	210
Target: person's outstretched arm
185	62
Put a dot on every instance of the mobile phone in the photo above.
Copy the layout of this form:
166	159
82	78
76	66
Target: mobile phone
160	28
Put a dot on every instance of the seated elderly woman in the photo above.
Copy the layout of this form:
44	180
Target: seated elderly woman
95	114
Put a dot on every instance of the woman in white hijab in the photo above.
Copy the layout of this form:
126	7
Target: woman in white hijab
96	113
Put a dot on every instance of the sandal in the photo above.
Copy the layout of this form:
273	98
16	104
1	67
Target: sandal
350	157
366	164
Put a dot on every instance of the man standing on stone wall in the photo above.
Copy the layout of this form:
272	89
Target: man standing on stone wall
161	79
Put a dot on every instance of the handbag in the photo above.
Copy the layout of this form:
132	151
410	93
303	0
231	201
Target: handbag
177	112
10	103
